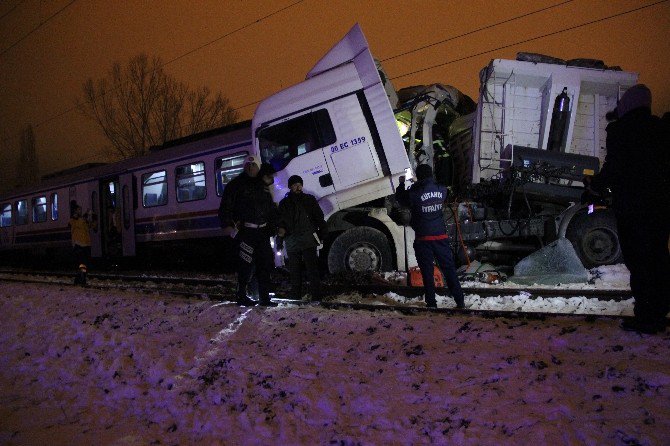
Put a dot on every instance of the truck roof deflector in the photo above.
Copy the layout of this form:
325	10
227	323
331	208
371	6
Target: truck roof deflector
351	45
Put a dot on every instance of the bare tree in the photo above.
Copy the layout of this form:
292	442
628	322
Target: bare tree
140	106
28	168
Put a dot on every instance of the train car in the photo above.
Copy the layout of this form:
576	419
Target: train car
162	204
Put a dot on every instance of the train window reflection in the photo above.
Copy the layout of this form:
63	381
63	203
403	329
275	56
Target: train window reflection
227	168
190	182
39	209
21	212
154	189
6	215
54	206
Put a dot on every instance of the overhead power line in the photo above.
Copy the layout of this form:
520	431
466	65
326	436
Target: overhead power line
232	32
228	34
530	39
71	109
12	9
483	28
498	48
42	23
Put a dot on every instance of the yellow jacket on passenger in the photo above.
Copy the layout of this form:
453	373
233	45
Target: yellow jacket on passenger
79	230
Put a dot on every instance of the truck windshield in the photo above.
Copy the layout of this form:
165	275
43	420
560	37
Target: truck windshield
281	143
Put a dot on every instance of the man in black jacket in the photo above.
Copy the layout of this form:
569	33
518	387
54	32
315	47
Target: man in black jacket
425	200
637	170
301	223
248	214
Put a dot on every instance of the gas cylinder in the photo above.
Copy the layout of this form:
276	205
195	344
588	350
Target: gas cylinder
559	122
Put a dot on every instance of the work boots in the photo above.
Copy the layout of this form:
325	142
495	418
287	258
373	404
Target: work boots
80	278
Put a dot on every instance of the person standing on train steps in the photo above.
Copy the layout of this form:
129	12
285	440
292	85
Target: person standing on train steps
425	200
302	225
80	227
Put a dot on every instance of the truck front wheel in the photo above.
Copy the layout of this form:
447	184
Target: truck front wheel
360	249
595	238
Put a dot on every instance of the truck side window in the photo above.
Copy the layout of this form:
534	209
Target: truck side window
227	168
6	216
281	143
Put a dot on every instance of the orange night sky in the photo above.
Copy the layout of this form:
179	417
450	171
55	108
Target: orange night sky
42	68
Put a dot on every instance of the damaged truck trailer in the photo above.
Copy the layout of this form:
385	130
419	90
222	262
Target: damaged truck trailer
514	161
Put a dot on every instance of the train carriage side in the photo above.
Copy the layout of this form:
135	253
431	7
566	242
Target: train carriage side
177	191
34	220
165	202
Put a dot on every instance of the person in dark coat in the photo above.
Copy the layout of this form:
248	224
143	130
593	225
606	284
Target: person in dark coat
425	199
252	165
637	171
301	223
250	215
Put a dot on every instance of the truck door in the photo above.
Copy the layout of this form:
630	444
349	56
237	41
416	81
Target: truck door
351	158
295	146
127	201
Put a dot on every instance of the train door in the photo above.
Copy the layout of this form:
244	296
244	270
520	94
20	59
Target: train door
110	217
126	212
6	226
92	205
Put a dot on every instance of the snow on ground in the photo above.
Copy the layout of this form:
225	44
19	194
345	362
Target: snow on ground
85	366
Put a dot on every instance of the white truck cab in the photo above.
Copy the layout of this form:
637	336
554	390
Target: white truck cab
338	132
537	129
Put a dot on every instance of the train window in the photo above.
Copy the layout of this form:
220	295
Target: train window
190	182
54	206
39	209
154	189
6	215
281	143
125	196
227	168
21	207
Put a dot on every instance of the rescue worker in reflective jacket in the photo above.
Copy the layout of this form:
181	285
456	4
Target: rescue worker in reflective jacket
425	200
249	215
301	223
637	170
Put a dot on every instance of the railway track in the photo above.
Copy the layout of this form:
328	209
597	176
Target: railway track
370	297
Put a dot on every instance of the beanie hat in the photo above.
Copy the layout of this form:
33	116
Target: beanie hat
253	159
635	97
423	171
294	179
266	169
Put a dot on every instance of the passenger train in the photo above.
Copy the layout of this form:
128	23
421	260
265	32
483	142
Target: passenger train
162	204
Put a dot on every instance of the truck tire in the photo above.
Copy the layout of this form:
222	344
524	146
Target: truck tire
360	249
595	238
